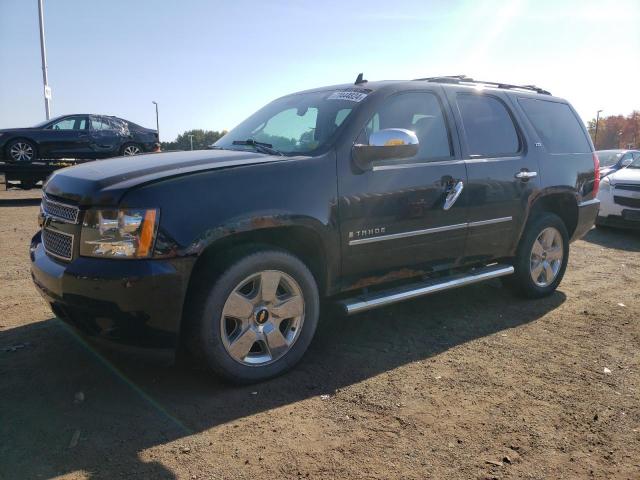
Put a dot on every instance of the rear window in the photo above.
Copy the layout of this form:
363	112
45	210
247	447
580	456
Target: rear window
556	125
488	127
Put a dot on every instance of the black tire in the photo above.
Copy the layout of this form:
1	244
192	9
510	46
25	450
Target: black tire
21	150
130	146
205	330
522	281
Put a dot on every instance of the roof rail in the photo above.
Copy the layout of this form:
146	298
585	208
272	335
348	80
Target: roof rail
464	80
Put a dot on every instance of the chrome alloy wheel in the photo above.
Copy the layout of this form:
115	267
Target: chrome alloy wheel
262	318
21	152
131	150
546	257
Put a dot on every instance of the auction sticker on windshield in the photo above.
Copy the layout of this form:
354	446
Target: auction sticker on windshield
351	94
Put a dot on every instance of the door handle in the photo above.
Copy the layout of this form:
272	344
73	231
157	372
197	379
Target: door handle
452	195
525	175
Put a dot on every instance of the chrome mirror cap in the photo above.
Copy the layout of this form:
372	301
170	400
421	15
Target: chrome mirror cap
386	144
391	137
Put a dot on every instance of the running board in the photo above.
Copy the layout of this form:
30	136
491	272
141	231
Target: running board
427	287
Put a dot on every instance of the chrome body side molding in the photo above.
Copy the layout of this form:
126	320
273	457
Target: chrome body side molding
427	231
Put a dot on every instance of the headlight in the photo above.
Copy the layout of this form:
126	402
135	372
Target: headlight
127	233
605	184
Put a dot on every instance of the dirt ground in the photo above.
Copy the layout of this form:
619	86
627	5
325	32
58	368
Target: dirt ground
468	384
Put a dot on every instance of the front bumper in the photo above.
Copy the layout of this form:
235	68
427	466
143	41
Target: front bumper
587	213
628	219
131	302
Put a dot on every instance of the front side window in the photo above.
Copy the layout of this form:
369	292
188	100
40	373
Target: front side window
488	127
556	125
420	112
298	124
70	123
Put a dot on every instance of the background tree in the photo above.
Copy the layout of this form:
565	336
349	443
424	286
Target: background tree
616	131
201	140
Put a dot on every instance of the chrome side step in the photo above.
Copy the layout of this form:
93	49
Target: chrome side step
427	287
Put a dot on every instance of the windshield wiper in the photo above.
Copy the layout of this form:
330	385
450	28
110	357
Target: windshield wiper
261	147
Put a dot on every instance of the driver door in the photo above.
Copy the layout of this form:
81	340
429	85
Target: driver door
68	137
392	216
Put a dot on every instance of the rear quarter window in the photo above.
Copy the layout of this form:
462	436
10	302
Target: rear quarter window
556	125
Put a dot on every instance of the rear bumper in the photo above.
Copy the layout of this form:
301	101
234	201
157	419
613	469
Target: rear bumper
151	147
130	302
587	213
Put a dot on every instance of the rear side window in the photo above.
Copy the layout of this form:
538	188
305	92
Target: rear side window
556	125
488	126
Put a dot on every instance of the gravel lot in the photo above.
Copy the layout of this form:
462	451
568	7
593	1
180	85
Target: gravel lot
466	384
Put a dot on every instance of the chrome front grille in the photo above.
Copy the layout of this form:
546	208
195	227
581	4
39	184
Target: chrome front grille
632	187
627	201
57	244
61	211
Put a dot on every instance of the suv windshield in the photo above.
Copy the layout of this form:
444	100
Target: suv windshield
298	124
635	163
609	158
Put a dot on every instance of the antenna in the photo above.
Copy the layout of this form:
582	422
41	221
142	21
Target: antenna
360	79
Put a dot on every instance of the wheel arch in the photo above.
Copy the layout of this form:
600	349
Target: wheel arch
562	203
302	241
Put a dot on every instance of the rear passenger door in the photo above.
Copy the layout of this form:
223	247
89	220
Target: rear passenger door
105	137
502	171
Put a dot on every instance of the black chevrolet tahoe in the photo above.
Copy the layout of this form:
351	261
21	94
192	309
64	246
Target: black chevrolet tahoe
368	193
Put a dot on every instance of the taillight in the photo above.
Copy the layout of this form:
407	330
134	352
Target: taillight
596	173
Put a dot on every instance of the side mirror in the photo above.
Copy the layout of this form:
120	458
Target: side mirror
386	144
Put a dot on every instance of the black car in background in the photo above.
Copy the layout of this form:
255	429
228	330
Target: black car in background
83	136
613	160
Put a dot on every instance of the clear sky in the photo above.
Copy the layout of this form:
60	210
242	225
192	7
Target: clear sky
210	63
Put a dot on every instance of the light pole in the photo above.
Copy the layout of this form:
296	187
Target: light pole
595	139
43	54
191	140
157	119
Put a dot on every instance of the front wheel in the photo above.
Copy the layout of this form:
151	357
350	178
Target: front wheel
21	151
541	258
257	319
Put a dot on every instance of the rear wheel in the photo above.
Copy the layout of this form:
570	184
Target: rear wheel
129	149
542	257
21	151
257	319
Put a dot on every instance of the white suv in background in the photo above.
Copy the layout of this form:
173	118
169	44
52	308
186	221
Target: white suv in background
620	198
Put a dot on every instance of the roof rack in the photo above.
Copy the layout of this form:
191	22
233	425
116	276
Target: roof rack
464	80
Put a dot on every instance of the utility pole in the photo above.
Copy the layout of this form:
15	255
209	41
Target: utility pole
43	53
157	120
595	139
191	140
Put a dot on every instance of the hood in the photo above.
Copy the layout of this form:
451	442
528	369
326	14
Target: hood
103	182
17	130
625	175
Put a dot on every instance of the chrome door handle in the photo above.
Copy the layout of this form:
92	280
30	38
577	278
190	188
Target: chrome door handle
452	195
526	175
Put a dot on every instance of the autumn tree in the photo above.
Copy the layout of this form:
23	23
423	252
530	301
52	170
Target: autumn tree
616	131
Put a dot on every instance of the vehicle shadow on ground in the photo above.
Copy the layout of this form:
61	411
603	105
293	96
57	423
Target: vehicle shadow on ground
628	240
20	202
130	406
